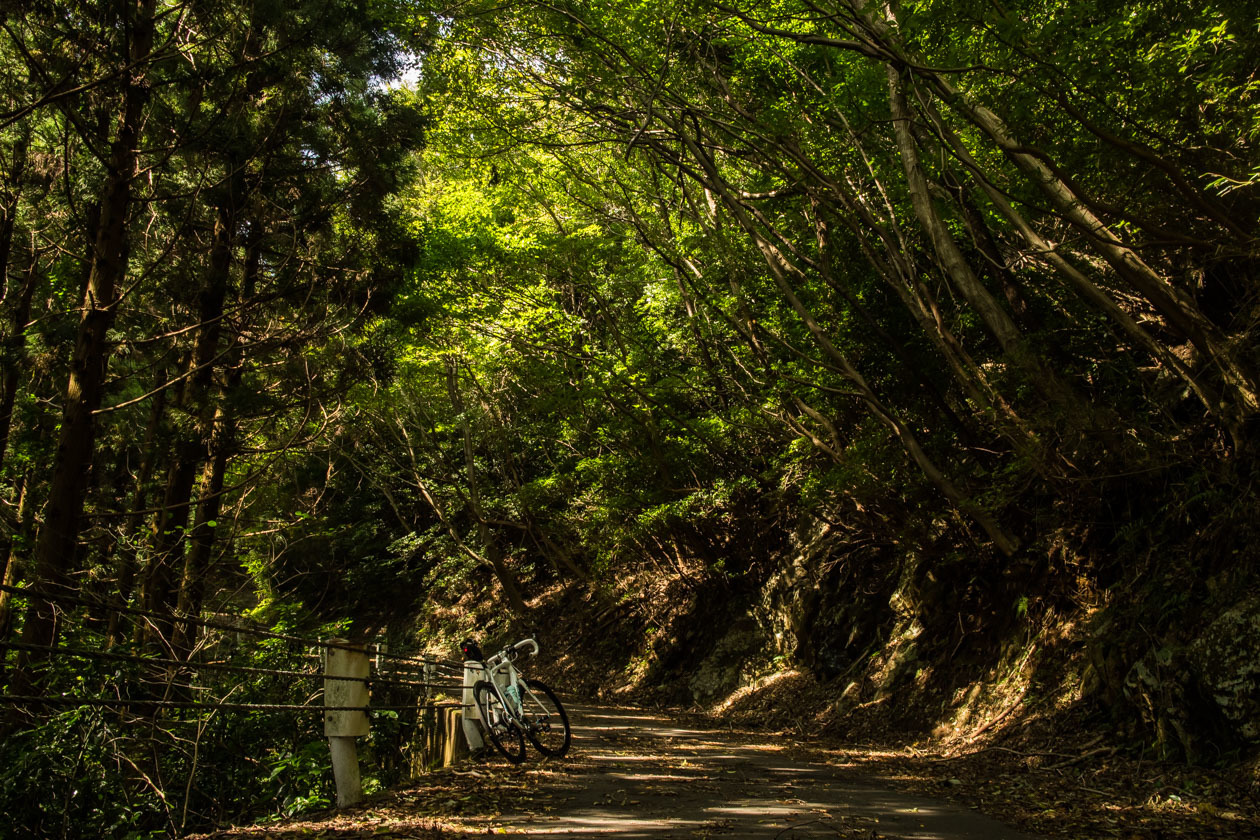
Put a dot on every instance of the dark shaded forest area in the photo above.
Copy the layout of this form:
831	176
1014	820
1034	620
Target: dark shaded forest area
900	353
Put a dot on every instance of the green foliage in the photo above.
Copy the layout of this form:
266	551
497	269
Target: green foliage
103	765
298	780
617	287
50	796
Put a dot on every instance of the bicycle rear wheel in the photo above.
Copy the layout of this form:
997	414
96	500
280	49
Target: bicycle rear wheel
546	722
499	725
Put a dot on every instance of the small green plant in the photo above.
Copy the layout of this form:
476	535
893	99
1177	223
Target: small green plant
298	780
1021	606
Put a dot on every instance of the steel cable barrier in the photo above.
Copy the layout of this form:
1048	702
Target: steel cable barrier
176	739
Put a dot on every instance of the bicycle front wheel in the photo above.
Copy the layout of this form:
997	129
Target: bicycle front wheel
546	723
498	723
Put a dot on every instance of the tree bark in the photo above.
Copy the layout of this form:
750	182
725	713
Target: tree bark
490	546
170	541
12	352
58	537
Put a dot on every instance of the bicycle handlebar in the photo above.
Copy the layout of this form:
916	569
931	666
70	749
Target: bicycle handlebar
510	653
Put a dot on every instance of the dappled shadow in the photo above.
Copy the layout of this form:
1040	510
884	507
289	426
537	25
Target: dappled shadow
643	776
1026	753
637	775
1061	793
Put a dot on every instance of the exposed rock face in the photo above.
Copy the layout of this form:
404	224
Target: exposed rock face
1206	687
790	599
827	604
731	663
1226	660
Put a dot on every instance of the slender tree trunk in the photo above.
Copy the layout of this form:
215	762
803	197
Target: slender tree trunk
489	544
932	392
160	592
1003	541
128	548
994	263
12	548
8	221
58	536
192	586
1001	325
12	352
558	554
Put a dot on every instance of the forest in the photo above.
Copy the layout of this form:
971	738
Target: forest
899	354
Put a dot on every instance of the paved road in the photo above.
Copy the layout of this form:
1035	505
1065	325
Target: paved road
636	775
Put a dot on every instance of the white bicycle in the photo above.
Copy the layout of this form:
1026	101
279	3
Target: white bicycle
513	708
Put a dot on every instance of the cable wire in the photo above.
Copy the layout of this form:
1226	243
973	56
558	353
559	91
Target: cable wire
34	699
178	664
78	600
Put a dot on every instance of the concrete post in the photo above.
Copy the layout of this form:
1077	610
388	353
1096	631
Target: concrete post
472	672
342	727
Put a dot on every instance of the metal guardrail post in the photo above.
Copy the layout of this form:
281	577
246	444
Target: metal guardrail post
343	726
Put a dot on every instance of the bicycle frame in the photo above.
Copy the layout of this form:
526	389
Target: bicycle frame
500	671
511	709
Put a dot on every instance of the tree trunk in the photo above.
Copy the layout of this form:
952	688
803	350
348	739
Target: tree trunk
127	562
489	545
8	224
170	538
192	586
1000	324
12	548
58	537
14	345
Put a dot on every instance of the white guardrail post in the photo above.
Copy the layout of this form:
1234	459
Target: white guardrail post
342	727
472	672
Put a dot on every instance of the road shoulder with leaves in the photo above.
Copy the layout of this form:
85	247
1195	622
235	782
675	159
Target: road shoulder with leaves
654	776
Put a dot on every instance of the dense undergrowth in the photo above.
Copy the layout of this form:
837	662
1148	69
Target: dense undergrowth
130	770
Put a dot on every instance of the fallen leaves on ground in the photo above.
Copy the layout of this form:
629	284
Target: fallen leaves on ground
1059	793
1065	790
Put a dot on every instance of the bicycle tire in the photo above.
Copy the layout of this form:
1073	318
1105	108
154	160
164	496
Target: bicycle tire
499	725
546	721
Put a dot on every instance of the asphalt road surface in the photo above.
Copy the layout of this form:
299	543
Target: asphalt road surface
636	775
640	775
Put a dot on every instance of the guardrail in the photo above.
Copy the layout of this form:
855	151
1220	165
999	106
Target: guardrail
349	672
